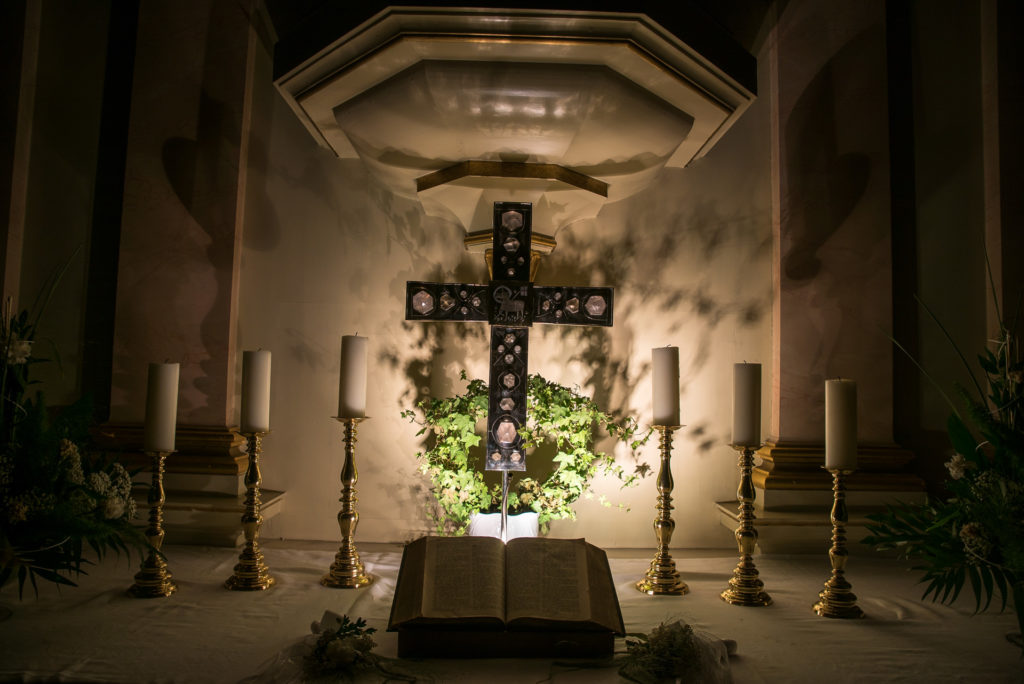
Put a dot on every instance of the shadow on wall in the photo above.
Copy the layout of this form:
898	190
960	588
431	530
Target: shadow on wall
644	266
826	182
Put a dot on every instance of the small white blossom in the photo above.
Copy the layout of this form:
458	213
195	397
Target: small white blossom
19	351
113	507
341	651
73	460
957	466
122	481
99	483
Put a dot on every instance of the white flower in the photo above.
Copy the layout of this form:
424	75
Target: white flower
99	483
122	481
113	507
81	502
341	651
18	351
957	466
69	453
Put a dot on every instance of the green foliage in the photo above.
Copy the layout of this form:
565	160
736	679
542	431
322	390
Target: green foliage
54	499
975	535
558	416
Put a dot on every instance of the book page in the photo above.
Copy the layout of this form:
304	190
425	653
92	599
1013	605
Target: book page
463	577
547	579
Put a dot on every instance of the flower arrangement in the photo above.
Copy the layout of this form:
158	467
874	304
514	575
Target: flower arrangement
557	415
343	648
53	499
976	533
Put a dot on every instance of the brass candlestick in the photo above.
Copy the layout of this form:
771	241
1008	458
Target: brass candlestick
745	588
347	570
251	573
836	599
662	578
153	580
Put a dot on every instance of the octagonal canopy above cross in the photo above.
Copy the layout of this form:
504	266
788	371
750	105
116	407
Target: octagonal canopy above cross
511	304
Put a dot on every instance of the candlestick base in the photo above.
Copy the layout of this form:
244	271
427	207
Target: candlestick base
662	579
347	571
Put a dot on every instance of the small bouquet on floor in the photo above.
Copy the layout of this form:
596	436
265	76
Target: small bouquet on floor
345	648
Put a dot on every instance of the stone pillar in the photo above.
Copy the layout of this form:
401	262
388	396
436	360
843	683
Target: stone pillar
19	34
832	275
180	252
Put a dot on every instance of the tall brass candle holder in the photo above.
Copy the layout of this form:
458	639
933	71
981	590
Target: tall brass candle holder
153	580
745	587
836	599
347	570
662	577
251	572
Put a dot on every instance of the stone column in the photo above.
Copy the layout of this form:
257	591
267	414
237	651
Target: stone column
832	276
178	271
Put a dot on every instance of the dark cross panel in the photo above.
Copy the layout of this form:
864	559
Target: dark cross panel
511	304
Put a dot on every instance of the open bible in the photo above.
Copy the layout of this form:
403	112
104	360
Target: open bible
479	597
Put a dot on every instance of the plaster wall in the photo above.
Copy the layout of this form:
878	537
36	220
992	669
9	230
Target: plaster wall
327	252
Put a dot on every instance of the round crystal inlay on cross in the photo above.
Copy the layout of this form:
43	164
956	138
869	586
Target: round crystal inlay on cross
517	349
509	358
509	380
515	457
558	314
510	338
505	433
501	349
475	302
423	302
510	244
558	296
572	305
496	456
595	305
545	305
512	220
464	310
447	301
511	272
506	404
463	294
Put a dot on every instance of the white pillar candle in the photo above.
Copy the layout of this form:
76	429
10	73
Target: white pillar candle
746	404
255	415
840	424
161	407
352	386
665	373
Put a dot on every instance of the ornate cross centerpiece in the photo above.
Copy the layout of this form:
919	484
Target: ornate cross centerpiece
510	303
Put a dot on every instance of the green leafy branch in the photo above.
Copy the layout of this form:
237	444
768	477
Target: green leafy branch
558	416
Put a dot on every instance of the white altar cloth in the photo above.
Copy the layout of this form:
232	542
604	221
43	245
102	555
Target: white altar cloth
204	633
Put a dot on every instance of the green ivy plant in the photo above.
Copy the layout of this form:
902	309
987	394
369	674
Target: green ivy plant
558	416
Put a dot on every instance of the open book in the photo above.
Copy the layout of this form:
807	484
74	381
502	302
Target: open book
559	589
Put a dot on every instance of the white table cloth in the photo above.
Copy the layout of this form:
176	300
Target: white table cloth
204	633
